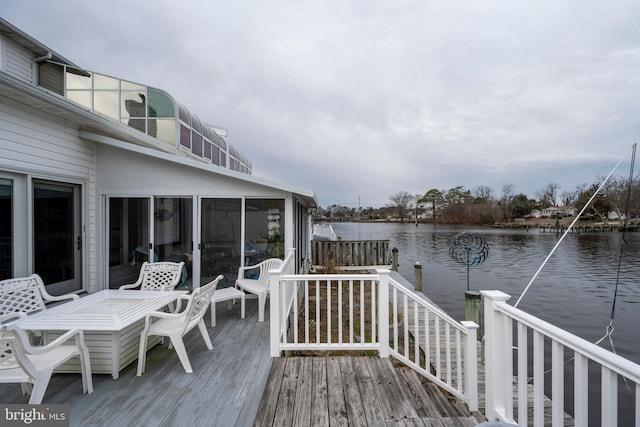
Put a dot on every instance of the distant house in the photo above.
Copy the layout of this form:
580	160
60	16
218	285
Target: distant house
98	174
535	213
553	212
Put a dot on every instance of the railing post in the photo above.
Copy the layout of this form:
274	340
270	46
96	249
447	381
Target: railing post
383	312
394	259
276	320
274	314
496	349
471	364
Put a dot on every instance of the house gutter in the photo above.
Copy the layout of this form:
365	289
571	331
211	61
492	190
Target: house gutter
46	57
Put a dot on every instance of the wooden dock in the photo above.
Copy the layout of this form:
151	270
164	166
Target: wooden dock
355	391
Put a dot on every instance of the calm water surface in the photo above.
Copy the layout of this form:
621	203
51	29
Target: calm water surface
574	290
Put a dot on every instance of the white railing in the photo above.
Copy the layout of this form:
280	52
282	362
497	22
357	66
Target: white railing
502	321
372	312
324	230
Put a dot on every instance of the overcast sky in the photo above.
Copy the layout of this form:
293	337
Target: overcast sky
358	100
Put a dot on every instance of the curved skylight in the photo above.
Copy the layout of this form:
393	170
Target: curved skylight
155	113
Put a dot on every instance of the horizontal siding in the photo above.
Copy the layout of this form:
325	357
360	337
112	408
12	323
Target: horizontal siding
36	143
18	61
32	142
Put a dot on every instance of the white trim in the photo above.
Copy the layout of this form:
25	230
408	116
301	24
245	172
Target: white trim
208	167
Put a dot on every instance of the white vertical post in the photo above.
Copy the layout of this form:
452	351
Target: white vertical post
609	397
274	313
471	364
494	355
383	312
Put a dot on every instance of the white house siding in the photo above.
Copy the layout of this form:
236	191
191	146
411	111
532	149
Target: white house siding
16	60
38	145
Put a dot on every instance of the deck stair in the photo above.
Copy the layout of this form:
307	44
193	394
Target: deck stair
355	390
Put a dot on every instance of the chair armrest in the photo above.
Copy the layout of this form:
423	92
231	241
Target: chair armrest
130	286
163	315
53	344
60	297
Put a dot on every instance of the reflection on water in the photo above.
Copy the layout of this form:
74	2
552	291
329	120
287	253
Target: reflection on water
574	290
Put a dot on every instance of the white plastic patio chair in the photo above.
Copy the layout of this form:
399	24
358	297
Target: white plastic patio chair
177	325
26	295
20	362
260	285
157	276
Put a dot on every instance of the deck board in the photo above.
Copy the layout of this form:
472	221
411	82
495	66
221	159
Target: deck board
362	391
225	389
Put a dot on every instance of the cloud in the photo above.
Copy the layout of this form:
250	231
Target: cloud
359	100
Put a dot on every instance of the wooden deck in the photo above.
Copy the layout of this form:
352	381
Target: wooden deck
238	384
224	390
355	391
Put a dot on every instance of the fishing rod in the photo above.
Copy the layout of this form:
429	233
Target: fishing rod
632	149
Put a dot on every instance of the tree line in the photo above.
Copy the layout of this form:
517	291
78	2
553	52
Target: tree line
483	205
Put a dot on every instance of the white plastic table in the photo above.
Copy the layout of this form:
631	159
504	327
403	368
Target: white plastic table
111	321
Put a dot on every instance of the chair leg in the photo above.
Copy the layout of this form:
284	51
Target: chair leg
40	387
205	334
242	307
213	313
85	366
142	353
262	298
26	388
178	344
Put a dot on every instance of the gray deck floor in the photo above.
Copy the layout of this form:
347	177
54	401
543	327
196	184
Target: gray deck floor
355	391
224	390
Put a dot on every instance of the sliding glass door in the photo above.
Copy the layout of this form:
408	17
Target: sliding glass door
220	240
128	239
173	233
6	229
57	237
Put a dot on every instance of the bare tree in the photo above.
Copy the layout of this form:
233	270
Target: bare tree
547	195
401	203
505	201
483	194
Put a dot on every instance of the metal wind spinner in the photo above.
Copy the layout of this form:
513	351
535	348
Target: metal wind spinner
468	249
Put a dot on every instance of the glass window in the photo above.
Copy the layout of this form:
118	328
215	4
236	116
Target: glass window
6	229
215	155
183	114
206	149
206	132
195	124
161	104
185	136
104	82
134	104
166	129
106	102
196	143
76	81
264	230
132	86
82	97
139	124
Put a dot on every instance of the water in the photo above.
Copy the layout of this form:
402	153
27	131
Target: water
574	290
